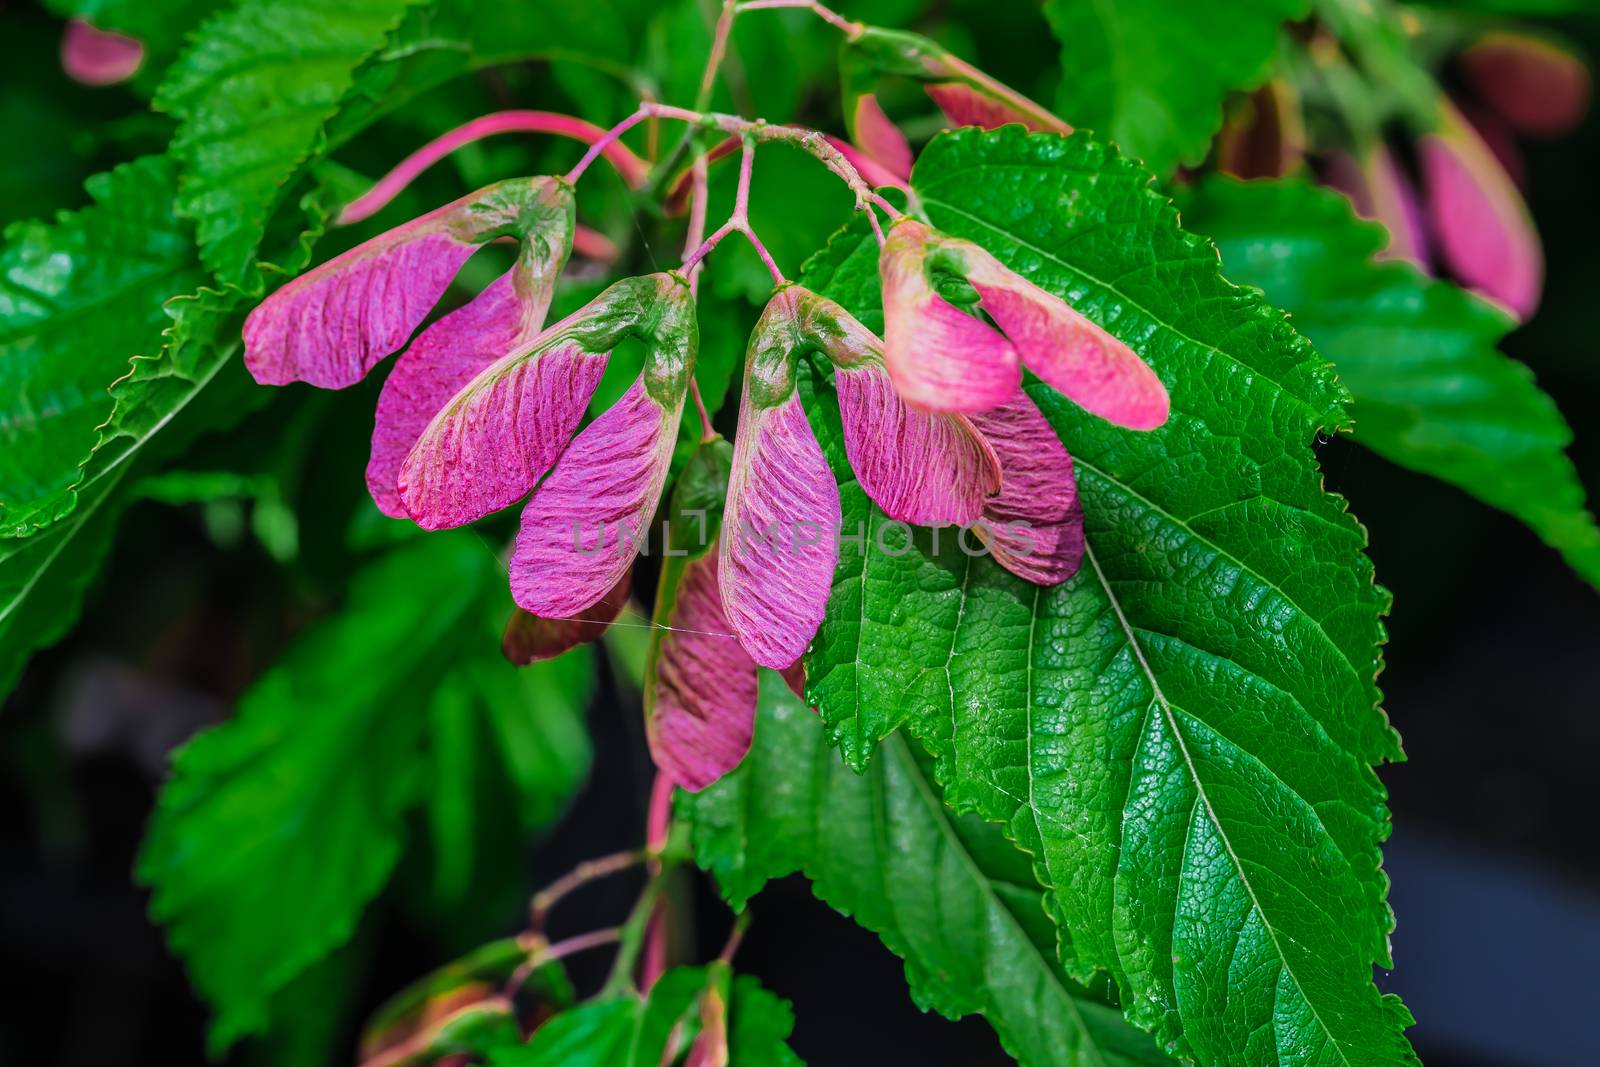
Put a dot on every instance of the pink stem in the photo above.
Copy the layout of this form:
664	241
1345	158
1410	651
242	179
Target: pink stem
696	233
766	257
658	823
581	943
707	431
559	950
877	227
605	141
579	876
741	201
683	185
708	244
719	49
741	212
738	222
633	169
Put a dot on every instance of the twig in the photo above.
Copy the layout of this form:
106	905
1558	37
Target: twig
738	222
719	51
609	138
658	826
741	923
584	873
559	950
630	943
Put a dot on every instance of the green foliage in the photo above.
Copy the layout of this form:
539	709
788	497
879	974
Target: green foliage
1431	391
278	827
1147	792
630	1030
43	577
946	893
252	93
76	299
1151	75
1214	659
192	383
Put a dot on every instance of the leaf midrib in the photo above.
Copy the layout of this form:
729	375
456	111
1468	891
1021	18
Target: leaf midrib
1159	698
1244	568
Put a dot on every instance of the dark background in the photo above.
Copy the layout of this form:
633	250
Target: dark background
1494	664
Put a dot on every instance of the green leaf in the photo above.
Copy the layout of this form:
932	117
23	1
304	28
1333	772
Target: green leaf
1151	75
759	1025
278	827
630	1030
308	1015
530	720
947	894
1182	734
43	577
1431	391
194	385
77	298
252	93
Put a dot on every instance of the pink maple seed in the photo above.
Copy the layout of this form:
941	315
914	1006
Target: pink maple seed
781	520
92	56
433	369
701	688
455	350
710	1047
943	359
333	324
495	435
1378	189
1484	232
924	469
879	137
1034	528
1540	87
966	95
529	638
940	358
965	106
589	517
1079	358
582	529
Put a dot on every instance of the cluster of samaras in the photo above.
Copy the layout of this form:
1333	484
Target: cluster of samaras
483	409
